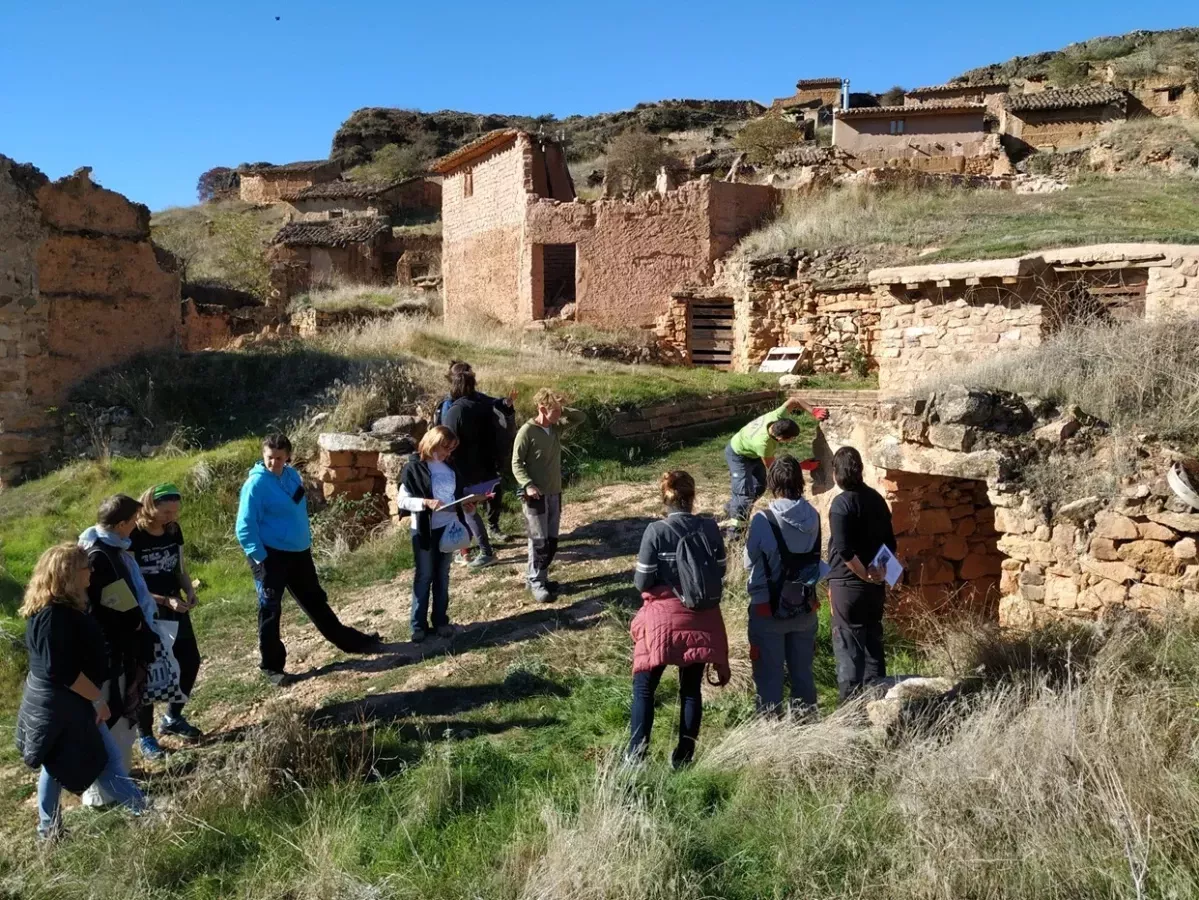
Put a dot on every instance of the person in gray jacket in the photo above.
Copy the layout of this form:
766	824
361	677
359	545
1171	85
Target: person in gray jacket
777	642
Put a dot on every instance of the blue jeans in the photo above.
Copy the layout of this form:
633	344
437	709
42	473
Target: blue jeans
432	576
691	710
775	643
113	780
748	478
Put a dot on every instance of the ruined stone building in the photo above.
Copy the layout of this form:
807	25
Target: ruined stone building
814	100
81	289
989	94
929	137
1061	119
517	245
407	198
1165	95
261	183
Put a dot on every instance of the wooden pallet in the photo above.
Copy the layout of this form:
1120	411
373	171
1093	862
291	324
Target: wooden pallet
784	360
710	336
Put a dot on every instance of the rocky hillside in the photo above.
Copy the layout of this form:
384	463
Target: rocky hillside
369	130
1132	56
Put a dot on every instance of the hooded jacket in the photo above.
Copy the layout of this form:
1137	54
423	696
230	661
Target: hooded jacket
273	512
800	524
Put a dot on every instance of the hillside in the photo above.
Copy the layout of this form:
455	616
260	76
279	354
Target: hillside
1131	56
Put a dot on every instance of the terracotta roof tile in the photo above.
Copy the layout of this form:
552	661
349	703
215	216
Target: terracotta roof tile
818	82
474	149
330	232
924	109
1070	98
953	87
346	190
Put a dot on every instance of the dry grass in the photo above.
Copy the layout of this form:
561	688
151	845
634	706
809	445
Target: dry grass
340	295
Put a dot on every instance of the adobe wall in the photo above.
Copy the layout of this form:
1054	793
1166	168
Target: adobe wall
319	208
482	246
857	135
81	289
992	96
683	418
1060	129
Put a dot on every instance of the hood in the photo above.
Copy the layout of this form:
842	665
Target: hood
798	520
98	534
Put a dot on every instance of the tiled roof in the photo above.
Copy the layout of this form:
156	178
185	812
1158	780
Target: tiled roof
1070	98
345	190
330	232
866	112
954	87
473	150
818	82
308	165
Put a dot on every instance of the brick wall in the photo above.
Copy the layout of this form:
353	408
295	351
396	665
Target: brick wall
81	290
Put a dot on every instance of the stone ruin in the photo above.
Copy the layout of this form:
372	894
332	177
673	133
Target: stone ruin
975	537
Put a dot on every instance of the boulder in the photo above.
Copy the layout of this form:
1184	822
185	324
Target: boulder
791	381
921	688
393	425
1058	432
951	437
1081	510
958	405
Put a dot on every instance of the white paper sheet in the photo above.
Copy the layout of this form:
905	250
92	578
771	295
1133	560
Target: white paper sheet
892	568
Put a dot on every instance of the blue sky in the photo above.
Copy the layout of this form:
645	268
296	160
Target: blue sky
151	94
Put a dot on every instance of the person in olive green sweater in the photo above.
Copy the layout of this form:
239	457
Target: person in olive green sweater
752	450
537	467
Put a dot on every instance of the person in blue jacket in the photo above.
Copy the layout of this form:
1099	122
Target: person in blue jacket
273	530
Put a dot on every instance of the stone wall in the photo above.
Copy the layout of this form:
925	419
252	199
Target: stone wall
1060	129
81	289
675	420
355	466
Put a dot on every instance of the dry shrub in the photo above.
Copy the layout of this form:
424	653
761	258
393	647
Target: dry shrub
617	845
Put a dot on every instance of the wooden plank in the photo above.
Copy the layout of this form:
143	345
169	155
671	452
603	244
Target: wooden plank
712	345
711	334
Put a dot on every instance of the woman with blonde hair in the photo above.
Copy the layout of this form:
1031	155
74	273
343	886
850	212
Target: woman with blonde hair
157	545
60	722
427	486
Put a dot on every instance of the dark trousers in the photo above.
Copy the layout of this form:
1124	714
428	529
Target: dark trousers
187	654
691	710
857	635
495	506
748	482
295	571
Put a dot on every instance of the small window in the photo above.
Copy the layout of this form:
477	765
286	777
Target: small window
468	183
897	126
336	213
1174	94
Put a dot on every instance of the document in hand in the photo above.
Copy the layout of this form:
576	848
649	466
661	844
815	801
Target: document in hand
885	560
469	498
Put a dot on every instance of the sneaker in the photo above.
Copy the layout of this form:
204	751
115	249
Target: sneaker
179	727
418	635
445	631
149	749
276	677
541	593
483	560
462	558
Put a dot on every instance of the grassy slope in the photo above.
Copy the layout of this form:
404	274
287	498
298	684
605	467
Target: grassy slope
940	225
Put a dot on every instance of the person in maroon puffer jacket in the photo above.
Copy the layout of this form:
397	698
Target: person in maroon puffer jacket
665	632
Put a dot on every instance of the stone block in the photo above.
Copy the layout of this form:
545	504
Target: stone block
1186	550
1156	599
395	425
1016	612
1059	431
951	437
341	475
962	509
1112	571
1061	593
931	570
954	547
933	521
1080	510
1103	593
1116	527
1155	531
908	546
1104	548
338	459
1186	523
1150	556
350	443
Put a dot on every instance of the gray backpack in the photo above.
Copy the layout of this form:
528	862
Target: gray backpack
701	580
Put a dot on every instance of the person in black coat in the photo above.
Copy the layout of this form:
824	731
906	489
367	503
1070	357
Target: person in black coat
481	442
59	724
860	522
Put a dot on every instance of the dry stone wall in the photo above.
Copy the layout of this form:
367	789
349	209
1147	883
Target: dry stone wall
675	420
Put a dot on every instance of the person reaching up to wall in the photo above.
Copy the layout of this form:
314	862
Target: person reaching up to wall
860	521
429	486
273	530
752	449
537	467
61	724
782	554
157	545
680	573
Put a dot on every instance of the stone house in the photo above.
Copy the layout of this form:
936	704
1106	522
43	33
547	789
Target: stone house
517	245
930	137
1173	94
409	197
1061	119
813	100
264	183
82	288
991	94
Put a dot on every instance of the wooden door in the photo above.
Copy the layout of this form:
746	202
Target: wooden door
710	337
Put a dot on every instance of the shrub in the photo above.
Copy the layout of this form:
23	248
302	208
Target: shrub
893	96
634	159
762	138
393	162
1066	70
216	183
1138	140
240	246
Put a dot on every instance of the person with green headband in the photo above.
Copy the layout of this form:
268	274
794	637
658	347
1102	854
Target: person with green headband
157	545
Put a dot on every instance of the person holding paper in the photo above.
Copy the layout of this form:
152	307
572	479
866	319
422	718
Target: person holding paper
429	491
860	522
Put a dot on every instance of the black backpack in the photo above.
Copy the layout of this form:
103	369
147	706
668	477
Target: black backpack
701	579
792	590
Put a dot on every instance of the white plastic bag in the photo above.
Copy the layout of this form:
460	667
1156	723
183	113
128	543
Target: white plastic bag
456	536
162	678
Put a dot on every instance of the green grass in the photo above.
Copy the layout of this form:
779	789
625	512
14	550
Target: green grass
898	225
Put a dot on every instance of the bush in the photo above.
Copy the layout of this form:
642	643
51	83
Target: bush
893	96
762	138
394	162
240	245
1066	70
218	182
634	159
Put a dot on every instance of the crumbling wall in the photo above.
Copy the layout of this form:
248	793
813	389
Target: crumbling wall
1061	129
81	289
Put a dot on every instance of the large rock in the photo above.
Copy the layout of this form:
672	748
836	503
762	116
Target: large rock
339	442
1116	527
1081	510
1184	522
997	411
1150	556
413	426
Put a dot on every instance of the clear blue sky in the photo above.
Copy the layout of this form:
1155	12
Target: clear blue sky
151	94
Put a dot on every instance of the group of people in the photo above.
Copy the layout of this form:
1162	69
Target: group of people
103	610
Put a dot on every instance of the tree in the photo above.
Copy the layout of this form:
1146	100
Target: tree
762	138
184	240
216	183
892	97
241	244
634	159
393	162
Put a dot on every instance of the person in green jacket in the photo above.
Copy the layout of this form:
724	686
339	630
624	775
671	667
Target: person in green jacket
537	467
752	449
